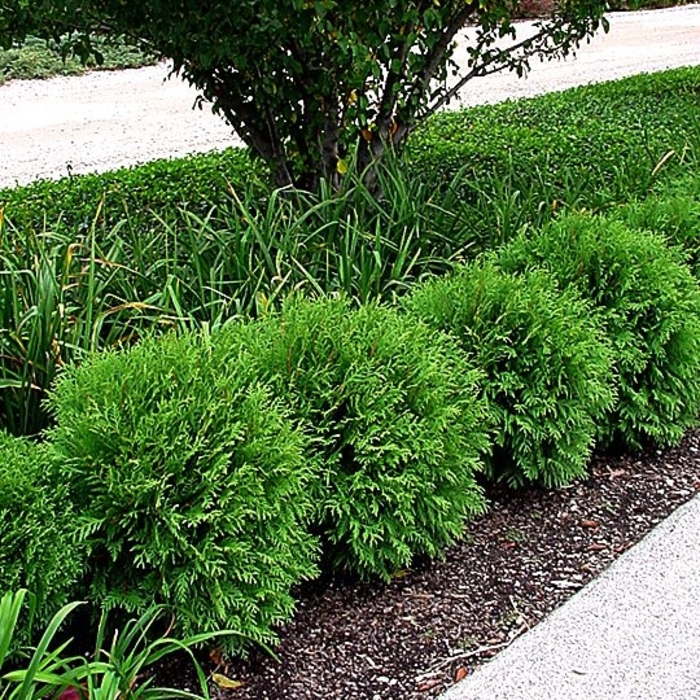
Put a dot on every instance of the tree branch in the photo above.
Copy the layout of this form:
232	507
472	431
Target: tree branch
437	55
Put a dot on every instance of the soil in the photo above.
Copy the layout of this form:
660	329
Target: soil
432	625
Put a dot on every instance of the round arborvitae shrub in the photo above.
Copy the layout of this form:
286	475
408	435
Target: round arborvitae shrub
38	525
548	371
649	303
676	216
193	484
399	432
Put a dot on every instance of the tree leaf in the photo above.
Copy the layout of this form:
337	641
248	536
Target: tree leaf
226	682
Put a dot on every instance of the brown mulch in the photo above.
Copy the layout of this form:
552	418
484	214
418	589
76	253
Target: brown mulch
413	638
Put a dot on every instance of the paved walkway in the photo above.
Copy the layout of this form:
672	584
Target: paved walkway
106	120
631	634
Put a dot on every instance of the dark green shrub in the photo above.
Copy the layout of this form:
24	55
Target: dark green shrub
510	163
37	59
192	482
515	163
38	525
144	194
548	373
650	306
398	429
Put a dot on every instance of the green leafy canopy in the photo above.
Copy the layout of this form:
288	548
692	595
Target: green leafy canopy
306	82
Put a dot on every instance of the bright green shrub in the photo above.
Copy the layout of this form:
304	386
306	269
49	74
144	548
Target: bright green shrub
548	373
673	213
398	430
38	524
193	484
650	306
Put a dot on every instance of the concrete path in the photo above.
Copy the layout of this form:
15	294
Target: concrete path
631	634
106	120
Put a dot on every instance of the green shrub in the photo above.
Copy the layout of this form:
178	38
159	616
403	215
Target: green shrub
192	483
37	59
144	195
674	213
398	430
650	305
548	374
517	162
38	525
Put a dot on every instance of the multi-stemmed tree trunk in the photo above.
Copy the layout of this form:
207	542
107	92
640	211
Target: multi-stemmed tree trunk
309	84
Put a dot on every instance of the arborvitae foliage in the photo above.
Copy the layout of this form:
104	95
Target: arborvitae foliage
399	432
650	305
192	482
675	215
37	529
548	371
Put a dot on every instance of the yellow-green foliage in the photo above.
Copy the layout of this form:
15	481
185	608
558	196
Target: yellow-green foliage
38	524
548	371
649	304
192	482
398	431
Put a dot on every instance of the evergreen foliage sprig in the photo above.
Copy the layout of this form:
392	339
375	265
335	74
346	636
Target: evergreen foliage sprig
649	303
548	372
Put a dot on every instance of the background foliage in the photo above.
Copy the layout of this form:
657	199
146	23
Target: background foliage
36	58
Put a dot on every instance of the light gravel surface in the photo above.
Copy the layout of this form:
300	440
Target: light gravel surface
101	121
632	634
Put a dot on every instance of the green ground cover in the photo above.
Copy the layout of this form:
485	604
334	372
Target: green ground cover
37	59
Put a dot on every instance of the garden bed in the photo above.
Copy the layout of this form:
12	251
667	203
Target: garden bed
415	636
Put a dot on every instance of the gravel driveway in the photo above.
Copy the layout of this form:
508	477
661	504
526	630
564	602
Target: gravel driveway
104	120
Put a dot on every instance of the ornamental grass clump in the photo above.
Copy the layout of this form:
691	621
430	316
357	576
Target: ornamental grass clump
548	371
649	303
398	429
38	548
193	485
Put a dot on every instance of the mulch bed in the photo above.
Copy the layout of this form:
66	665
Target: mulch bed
431	626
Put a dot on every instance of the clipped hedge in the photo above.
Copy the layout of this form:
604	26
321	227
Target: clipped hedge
398	430
650	306
38	525
548	371
192	482
515	160
142	195
629	124
516	163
